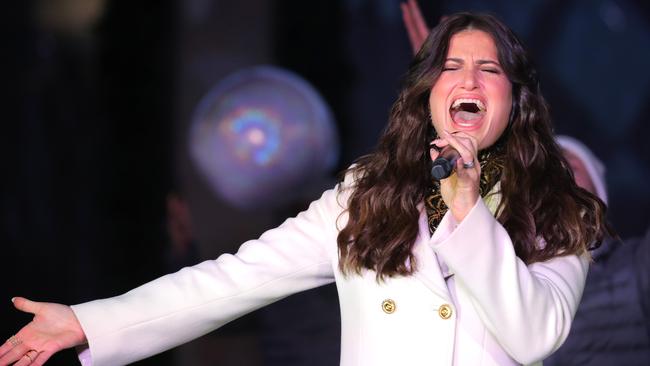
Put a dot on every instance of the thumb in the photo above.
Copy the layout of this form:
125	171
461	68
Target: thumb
26	305
435	147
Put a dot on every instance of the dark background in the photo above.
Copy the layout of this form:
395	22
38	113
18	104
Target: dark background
95	116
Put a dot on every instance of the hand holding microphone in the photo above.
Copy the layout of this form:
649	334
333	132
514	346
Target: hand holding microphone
461	190
445	163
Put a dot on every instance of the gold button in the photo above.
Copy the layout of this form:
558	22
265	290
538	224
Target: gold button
388	306
445	311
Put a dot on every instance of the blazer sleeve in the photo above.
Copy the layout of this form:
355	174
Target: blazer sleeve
184	305
528	308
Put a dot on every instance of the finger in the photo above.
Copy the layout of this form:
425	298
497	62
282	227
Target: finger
463	145
6	347
468	176
24	361
418	21
42	358
26	305
10	344
472	145
410	28
463	170
468	141
13	355
438	143
462	136
466	146
436	147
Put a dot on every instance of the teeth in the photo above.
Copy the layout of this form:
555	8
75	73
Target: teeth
478	103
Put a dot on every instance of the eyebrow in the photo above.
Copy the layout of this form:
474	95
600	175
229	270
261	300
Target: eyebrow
478	62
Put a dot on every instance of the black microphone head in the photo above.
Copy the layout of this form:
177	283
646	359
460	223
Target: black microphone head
441	169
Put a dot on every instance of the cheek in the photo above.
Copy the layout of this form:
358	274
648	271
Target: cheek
503	91
498	122
437	109
437	99
502	117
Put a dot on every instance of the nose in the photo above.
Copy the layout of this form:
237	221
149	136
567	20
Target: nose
469	79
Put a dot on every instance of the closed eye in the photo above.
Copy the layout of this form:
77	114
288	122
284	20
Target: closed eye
492	71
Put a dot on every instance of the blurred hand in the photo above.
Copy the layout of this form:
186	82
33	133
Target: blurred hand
416	27
179	223
460	191
54	328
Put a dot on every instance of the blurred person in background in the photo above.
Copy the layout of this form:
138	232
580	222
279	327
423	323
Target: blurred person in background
612	325
182	250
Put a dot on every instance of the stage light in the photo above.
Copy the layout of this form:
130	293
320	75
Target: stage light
261	136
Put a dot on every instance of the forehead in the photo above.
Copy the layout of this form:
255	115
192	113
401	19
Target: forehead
474	43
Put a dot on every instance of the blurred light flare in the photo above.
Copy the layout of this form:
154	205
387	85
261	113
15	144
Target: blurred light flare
255	133
260	135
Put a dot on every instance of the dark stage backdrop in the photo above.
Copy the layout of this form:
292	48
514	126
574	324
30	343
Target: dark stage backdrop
86	121
96	113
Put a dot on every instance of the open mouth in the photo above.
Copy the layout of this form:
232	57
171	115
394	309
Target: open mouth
467	112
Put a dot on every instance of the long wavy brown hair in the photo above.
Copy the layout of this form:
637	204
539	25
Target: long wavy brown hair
540	199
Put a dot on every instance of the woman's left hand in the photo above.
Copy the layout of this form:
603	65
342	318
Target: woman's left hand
54	327
460	191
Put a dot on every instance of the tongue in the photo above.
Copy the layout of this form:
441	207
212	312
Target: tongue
466	117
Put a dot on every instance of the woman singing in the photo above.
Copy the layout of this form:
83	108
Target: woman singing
485	267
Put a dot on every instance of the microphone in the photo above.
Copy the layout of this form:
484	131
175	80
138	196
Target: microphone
445	163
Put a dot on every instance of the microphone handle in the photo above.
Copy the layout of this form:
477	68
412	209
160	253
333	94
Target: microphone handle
445	163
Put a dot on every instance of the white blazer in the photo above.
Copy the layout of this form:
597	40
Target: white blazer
494	310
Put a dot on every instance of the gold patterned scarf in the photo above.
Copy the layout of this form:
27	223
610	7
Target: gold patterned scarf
491	160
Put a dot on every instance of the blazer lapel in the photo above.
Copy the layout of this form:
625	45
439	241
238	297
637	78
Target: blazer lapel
428	269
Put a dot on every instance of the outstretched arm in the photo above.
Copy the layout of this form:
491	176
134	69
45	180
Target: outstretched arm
182	306
54	328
